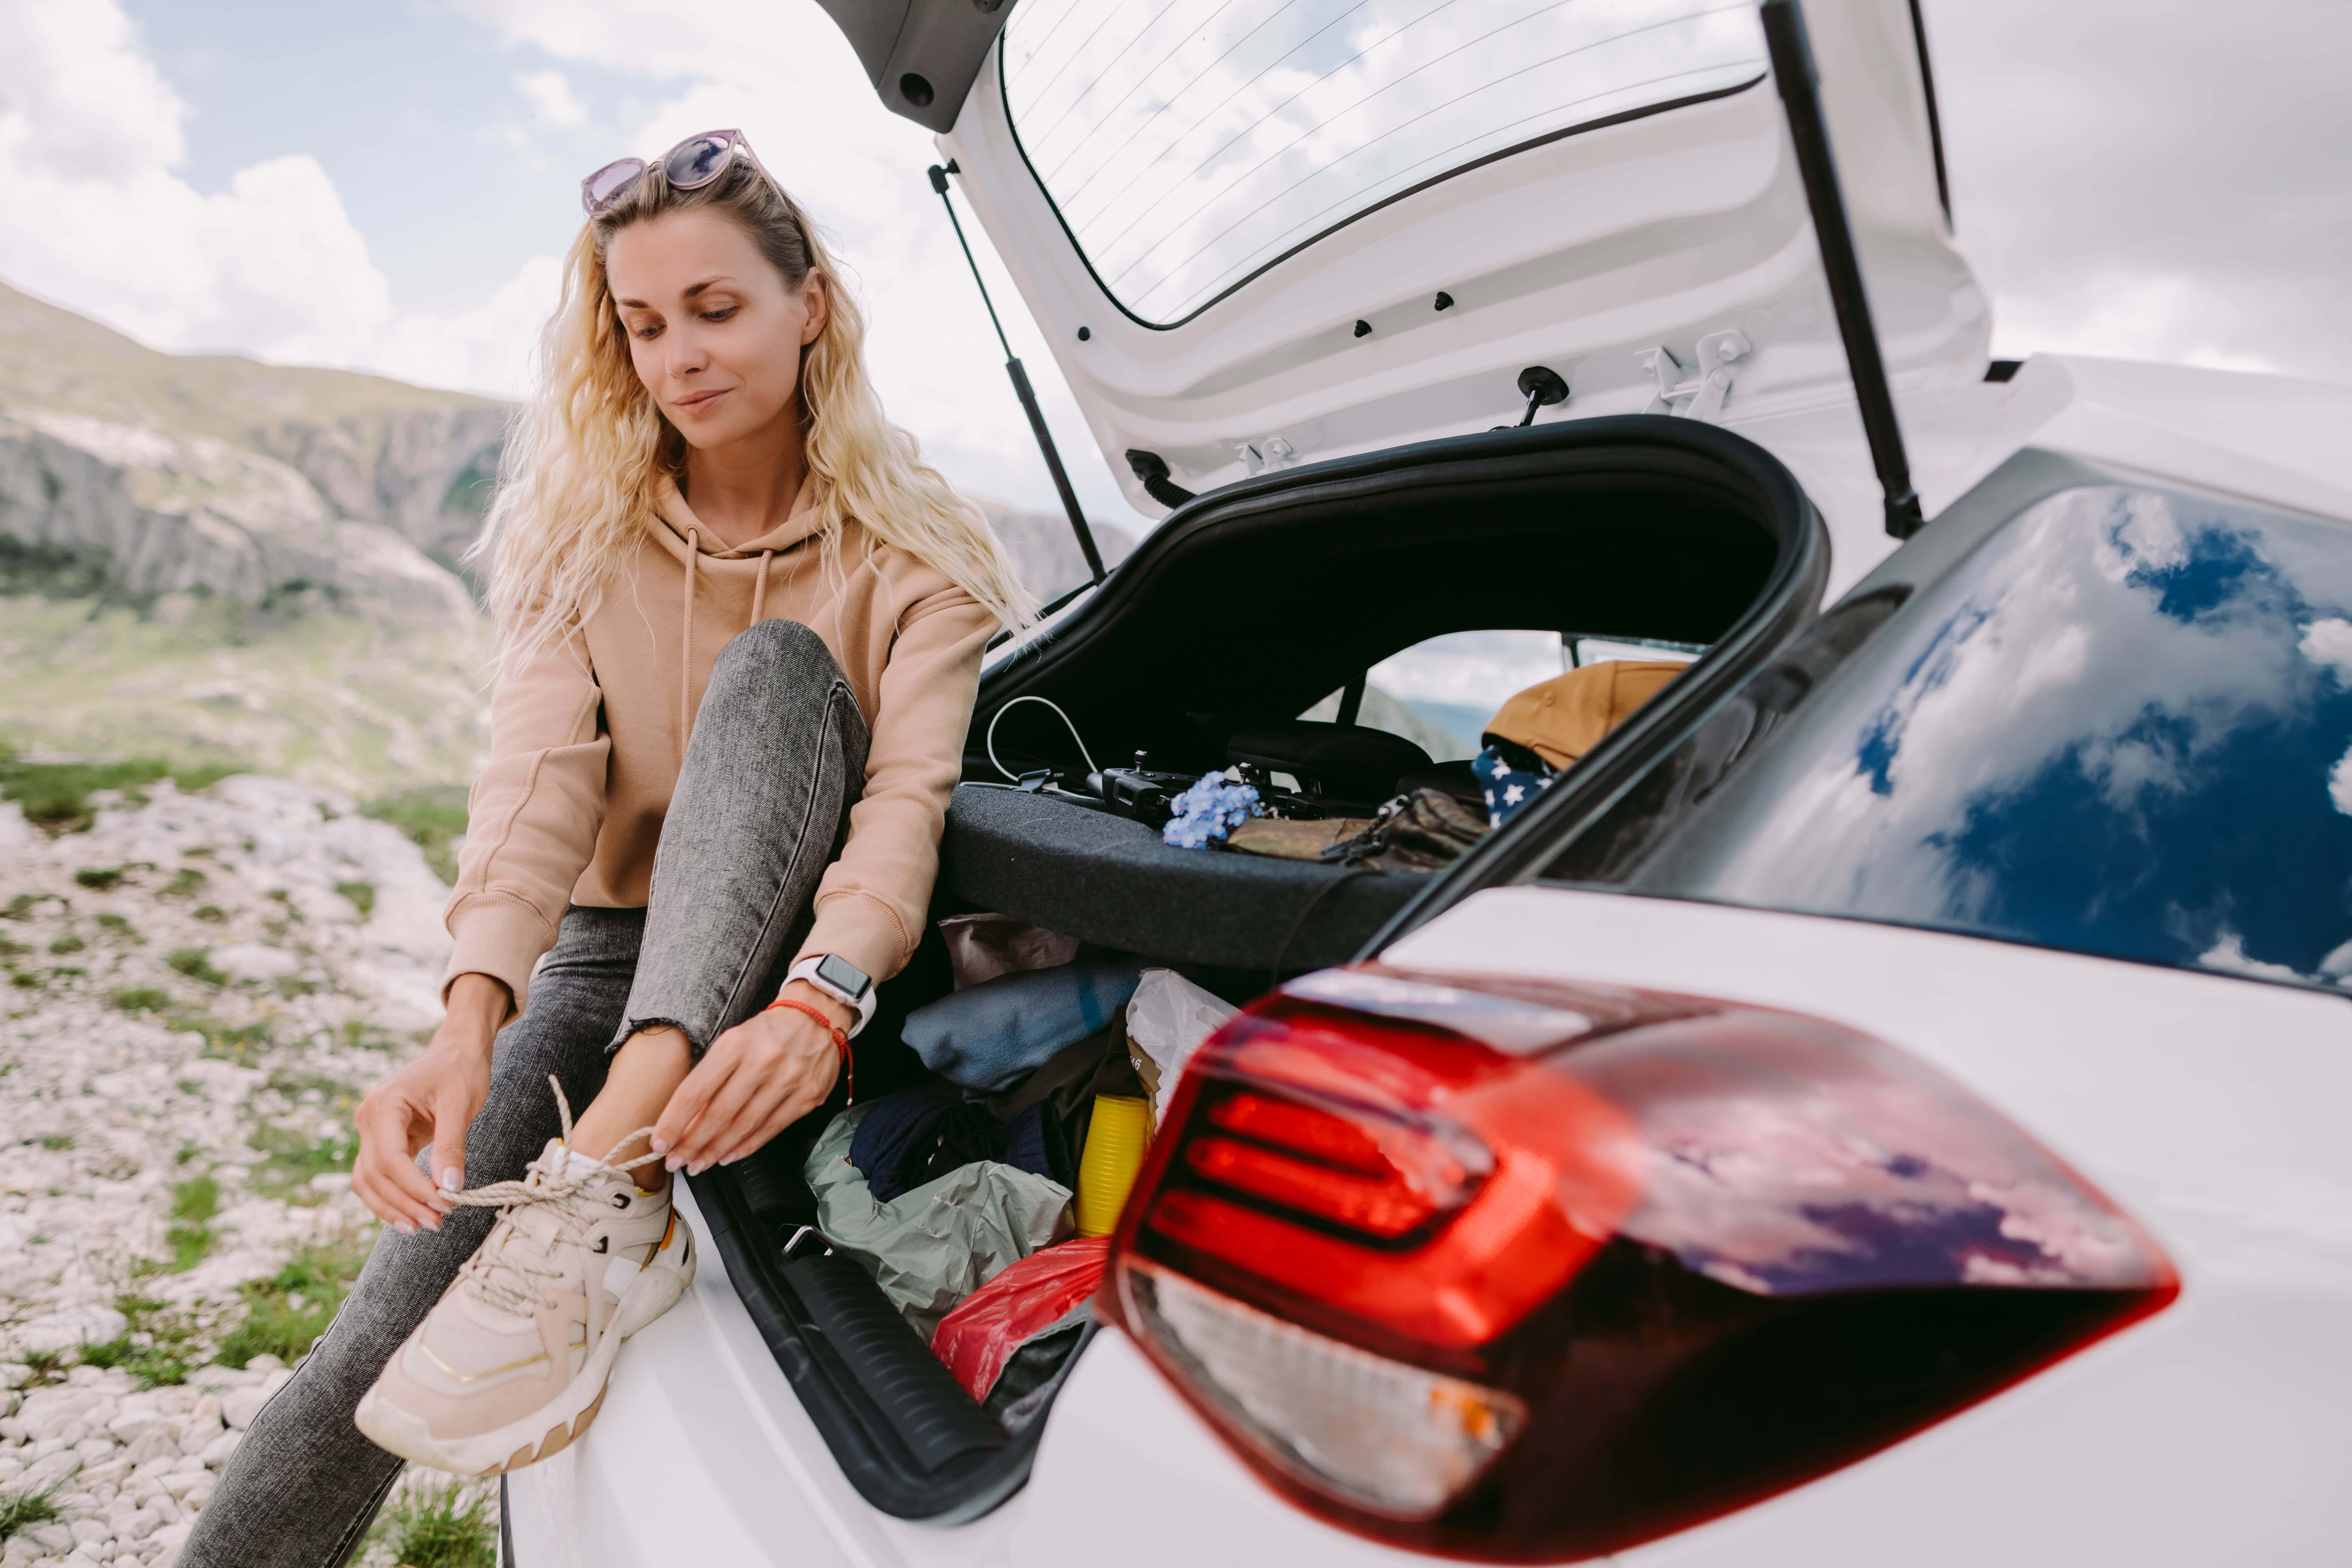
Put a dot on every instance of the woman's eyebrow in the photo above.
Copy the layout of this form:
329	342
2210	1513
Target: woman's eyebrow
720	281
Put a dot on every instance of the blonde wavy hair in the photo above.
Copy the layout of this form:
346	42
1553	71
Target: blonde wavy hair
590	448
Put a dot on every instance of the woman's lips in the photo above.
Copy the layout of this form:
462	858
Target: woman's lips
702	402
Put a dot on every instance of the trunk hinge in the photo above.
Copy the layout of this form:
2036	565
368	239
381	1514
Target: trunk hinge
1698	396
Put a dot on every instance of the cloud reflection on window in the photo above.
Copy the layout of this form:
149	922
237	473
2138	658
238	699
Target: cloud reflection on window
2123	727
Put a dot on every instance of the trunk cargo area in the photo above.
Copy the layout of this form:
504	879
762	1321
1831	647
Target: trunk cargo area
1246	609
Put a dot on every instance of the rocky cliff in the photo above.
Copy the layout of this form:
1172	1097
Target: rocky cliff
139	474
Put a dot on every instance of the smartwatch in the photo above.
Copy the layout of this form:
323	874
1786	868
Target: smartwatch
841	980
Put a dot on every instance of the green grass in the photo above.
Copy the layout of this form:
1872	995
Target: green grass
443	1526
238	1043
12	949
191	1238
141	999
432	817
55	1143
286	1313
100	878
362	895
111	921
186	883
195	963
68	943
212	914
23	1510
47	1367
55	796
159	1347
293	1159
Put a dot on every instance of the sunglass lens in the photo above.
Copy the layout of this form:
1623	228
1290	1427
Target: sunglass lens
698	162
610	184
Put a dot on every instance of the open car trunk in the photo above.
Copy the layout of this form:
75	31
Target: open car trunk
1246	609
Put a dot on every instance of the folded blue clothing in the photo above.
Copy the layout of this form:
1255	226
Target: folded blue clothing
987	1037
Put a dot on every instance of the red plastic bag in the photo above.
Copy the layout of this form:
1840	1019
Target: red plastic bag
979	1337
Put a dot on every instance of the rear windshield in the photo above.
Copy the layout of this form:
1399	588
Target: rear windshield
2122	726
1189	147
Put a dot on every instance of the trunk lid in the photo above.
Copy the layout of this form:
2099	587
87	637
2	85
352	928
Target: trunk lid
1279	233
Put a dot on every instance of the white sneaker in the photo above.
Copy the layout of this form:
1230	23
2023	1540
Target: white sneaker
511	1364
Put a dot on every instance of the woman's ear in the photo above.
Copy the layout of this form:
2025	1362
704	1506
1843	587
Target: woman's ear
816	298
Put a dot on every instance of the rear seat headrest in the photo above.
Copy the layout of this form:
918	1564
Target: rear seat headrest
1347	760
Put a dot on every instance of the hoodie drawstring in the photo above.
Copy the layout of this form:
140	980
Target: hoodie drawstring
686	633
686	644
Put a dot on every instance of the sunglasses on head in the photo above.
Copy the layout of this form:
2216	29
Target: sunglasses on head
690	165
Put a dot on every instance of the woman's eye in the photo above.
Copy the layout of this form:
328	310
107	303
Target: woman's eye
652	330
722	314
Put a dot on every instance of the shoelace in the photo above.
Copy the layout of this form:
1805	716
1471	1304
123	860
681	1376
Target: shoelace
503	1276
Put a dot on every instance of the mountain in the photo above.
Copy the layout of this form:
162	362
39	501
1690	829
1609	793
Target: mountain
133	473
214	560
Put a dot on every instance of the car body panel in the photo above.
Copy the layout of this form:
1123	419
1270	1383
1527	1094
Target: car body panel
1583	254
2212	1109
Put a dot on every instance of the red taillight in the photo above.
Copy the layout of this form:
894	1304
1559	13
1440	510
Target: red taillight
1519	1273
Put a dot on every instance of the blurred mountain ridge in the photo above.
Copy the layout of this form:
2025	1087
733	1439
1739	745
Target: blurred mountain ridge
220	562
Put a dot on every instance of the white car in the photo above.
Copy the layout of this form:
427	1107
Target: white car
1890	1102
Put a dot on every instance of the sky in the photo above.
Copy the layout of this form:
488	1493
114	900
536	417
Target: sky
387	186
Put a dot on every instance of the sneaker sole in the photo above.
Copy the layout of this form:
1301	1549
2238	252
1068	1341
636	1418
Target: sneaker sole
551	1429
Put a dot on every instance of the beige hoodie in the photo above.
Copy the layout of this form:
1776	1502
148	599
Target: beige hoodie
586	737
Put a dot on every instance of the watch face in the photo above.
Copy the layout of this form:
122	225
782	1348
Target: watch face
843	976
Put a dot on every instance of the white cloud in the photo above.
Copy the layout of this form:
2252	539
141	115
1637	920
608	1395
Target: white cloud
2230	953
90	132
490	347
2156	182
2328	644
2339	784
551	98
101	223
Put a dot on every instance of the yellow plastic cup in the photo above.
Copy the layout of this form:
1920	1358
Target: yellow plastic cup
1115	1139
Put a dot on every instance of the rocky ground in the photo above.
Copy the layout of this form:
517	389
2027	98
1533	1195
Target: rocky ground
201	986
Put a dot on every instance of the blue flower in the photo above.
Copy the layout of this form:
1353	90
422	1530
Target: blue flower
1209	810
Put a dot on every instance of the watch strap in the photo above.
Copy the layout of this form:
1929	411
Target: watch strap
806	969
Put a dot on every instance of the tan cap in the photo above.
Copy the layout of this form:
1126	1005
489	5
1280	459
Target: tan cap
1565	717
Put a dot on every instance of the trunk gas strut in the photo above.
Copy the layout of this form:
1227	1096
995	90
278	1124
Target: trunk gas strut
1021	387
1800	96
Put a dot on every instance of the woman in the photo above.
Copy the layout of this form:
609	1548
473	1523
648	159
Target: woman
685	868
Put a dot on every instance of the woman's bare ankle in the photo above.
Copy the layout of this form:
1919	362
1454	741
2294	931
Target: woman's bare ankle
646	1070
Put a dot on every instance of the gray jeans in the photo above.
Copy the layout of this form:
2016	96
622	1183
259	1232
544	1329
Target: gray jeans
776	760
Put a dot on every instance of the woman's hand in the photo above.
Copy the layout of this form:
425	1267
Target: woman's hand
755	1080
433	1100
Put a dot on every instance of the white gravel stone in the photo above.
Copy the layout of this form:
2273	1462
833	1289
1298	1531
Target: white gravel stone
284	1005
88	1324
240	1406
255	961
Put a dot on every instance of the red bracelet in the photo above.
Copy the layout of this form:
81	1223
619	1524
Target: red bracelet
840	1039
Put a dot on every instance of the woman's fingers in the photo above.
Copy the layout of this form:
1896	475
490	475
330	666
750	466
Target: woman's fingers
677	1130
450	1116
720	1127
384	1174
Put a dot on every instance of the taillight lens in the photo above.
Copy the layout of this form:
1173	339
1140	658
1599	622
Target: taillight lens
1539	1272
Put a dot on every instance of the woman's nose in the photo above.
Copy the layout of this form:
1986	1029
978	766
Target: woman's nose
685	355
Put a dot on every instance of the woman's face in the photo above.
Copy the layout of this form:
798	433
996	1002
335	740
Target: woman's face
714	332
